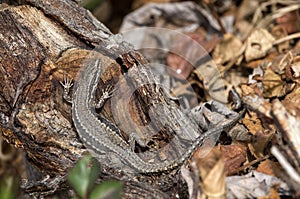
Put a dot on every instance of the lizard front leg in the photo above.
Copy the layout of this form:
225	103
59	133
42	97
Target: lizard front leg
67	84
107	93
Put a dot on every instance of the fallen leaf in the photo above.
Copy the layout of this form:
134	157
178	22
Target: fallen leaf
292	101
227	49
260	143
180	66
270	168
290	21
273	85
253	123
279	32
293	69
252	185
213	175
288	124
234	156
258	44
138	3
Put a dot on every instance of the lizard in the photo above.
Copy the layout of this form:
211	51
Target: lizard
97	132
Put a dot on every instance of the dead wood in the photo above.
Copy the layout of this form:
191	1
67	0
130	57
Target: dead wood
40	42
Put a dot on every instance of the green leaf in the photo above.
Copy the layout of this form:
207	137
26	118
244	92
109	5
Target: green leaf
8	187
91	4
107	190
83	176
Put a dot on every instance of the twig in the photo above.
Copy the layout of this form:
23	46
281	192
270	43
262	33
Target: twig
289	37
285	164
248	165
263	6
280	12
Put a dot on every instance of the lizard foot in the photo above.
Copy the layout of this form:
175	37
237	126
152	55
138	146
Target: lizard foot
106	94
67	84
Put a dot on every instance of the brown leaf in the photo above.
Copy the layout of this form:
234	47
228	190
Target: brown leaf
213	175
252	185
234	157
293	69
273	84
260	143
274	193
138	3
253	123
288	124
269	167
279	32
290	21
258	44
292	101
179	66
227	49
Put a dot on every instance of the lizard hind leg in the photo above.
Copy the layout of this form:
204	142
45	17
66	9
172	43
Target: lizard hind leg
112	160
134	137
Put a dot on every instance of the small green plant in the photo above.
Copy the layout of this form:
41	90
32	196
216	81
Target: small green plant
8	187
91	4
83	176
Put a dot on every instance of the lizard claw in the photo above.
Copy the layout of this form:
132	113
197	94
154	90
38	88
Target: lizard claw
107	92
67	83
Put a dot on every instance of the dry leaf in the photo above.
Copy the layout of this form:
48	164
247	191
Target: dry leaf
260	143
258	44
138	3
290	21
212	173
292	101
180	66
252	185
273	84
213	82
269	167
253	123
274	193
293	70
227	49
183	16
240	133
288	124
234	157
251	89
279	32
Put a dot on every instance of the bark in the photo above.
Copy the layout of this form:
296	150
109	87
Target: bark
40	42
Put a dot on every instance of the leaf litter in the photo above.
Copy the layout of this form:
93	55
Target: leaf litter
255	46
